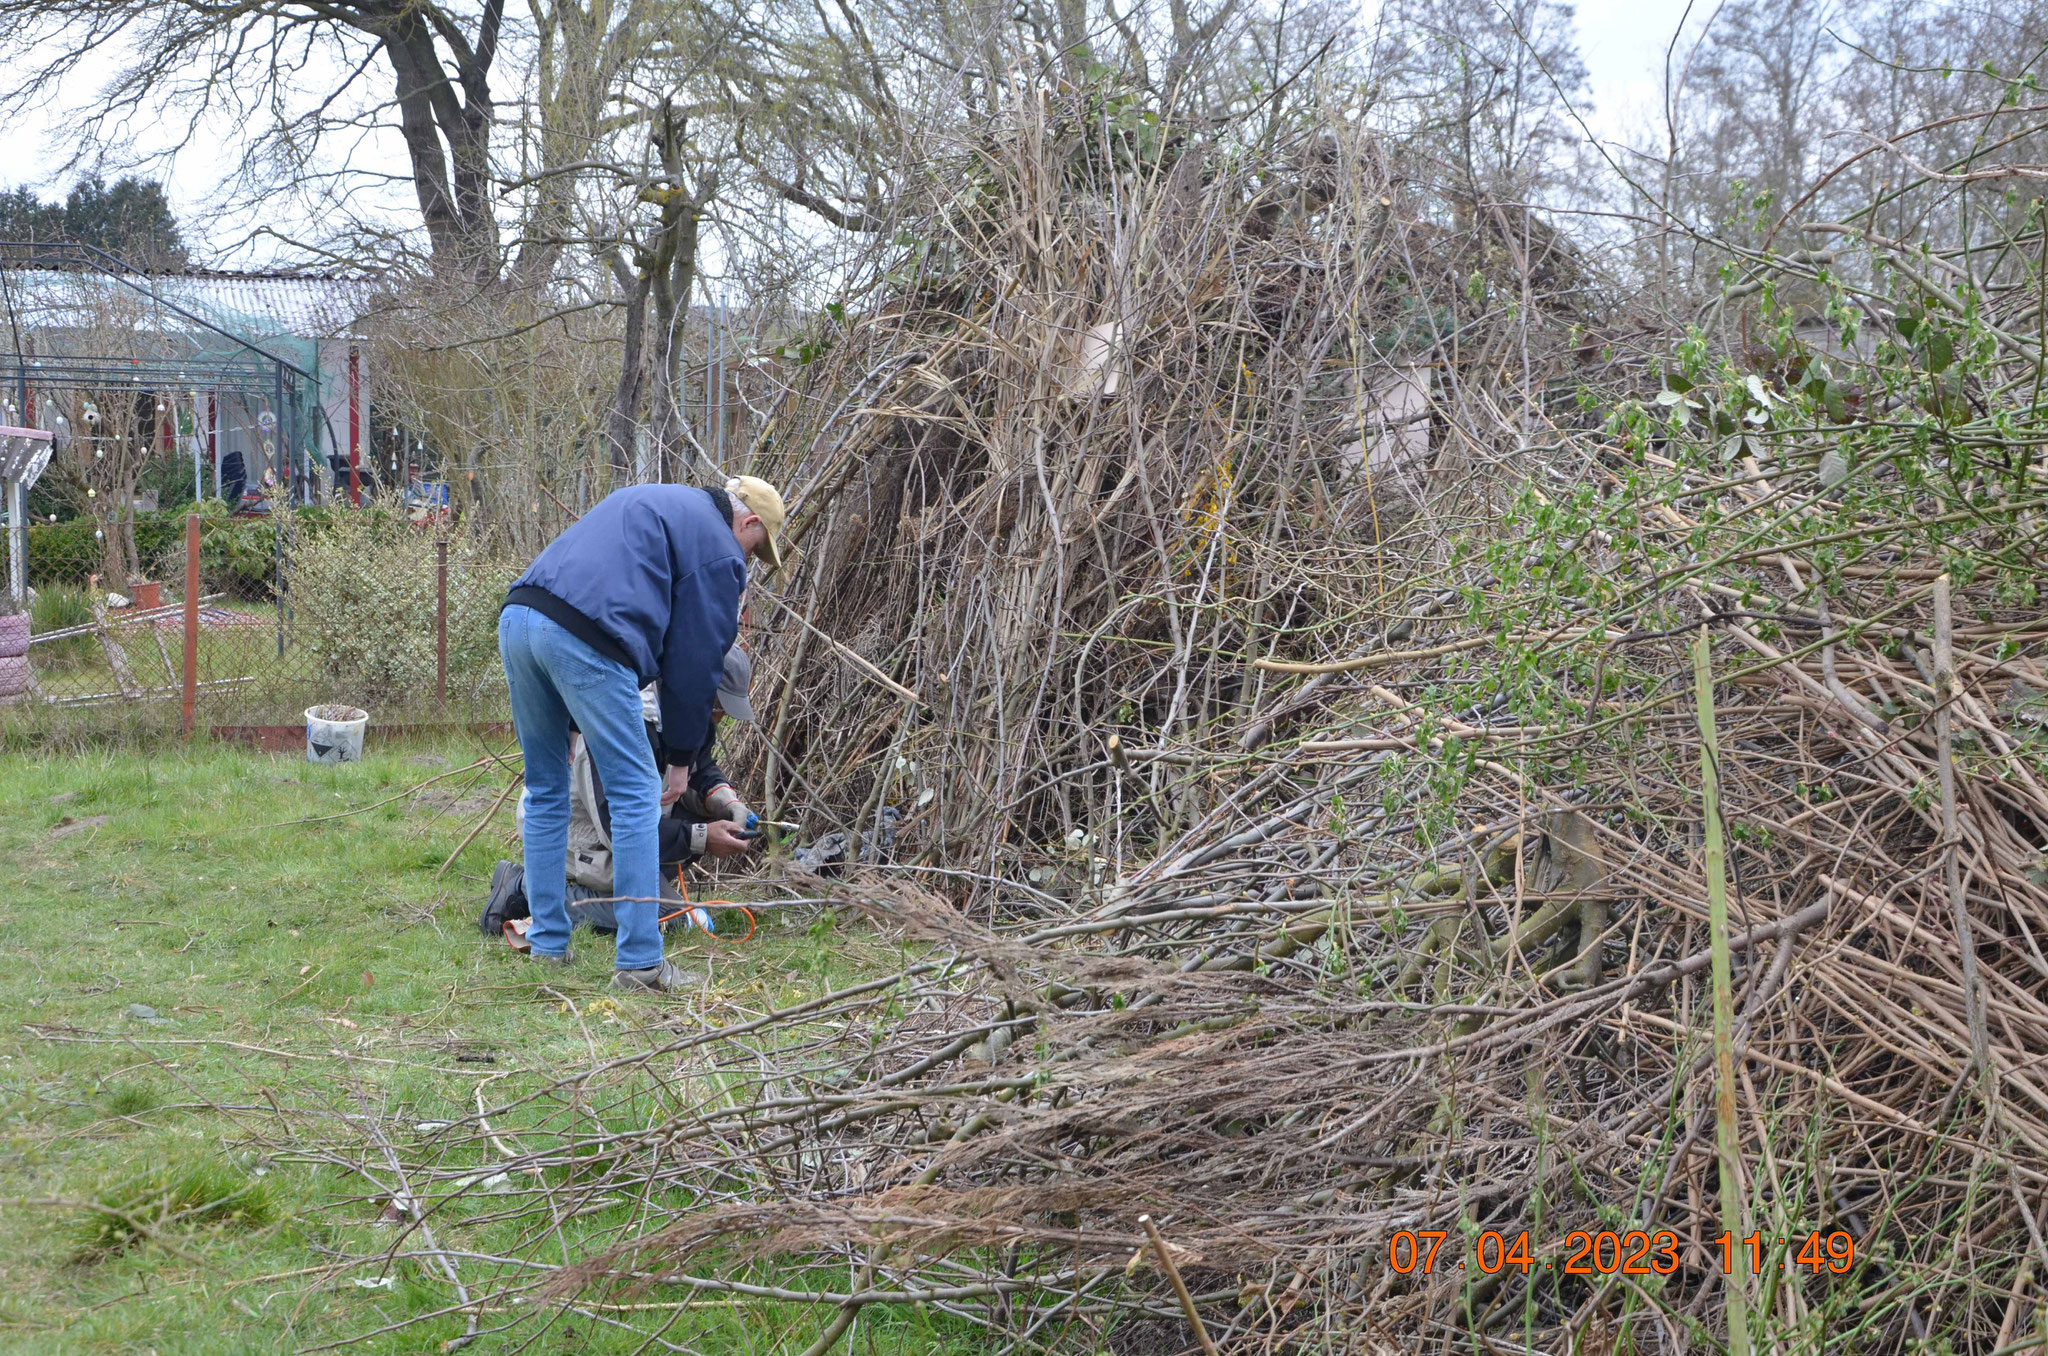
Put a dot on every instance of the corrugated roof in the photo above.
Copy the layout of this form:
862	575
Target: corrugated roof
250	304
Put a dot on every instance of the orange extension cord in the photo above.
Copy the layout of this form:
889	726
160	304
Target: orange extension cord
710	903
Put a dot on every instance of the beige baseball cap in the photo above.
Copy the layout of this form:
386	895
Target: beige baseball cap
764	499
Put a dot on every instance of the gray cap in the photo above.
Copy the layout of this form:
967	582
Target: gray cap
732	688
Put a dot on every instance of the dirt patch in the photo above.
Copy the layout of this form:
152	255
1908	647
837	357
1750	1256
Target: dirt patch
68	826
452	804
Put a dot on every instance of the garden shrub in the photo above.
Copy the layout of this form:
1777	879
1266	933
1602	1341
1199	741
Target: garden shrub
237	556
68	553
362	595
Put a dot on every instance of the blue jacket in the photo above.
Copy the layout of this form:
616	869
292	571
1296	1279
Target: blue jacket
651	577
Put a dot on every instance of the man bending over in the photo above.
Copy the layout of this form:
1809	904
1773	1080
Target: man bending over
706	818
644	588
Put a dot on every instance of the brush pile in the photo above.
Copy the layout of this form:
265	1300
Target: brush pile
1301	811
1143	405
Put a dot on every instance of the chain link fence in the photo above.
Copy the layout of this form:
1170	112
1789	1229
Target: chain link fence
235	625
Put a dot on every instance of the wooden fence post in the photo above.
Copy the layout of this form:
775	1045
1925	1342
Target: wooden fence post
191	621
441	624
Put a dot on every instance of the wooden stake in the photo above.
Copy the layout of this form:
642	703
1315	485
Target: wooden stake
1180	1287
117	658
1727	1135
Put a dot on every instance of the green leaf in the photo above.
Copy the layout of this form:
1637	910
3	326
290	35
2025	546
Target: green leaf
1941	350
1834	468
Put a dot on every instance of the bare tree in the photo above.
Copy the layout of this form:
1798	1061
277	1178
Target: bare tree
107	435
1483	88
1800	110
253	63
1770	79
664	272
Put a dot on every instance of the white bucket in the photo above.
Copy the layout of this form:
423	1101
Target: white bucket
334	734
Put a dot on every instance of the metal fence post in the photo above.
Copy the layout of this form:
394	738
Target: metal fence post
441	623
277	512
191	621
355	429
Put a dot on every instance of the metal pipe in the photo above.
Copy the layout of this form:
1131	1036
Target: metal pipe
17	516
355	428
277	521
720	371
441	623
17	542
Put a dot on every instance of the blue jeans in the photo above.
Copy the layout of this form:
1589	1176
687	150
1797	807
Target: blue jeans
556	678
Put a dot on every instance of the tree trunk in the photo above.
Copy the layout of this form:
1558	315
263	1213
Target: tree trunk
113	566
580	50
460	226
417	69
624	419
133	553
672	287
673	274
468	133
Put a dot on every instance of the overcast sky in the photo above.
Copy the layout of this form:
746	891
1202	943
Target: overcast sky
1621	41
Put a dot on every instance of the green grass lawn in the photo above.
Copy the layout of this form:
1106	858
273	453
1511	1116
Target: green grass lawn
316	970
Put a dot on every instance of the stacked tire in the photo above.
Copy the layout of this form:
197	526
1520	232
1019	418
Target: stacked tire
14	672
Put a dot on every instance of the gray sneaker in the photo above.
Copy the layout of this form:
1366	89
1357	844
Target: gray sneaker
561	962
666	977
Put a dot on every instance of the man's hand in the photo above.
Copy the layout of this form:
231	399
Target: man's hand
674	784
723	838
